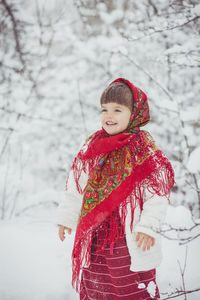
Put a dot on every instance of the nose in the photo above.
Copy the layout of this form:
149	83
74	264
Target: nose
109	115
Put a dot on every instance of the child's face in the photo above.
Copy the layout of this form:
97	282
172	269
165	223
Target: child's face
115	117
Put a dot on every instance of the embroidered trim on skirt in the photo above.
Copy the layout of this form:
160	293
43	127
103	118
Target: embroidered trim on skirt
109	277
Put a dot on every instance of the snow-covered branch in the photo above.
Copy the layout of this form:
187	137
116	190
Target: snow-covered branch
10	11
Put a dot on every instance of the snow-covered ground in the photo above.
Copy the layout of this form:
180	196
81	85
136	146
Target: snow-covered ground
36	265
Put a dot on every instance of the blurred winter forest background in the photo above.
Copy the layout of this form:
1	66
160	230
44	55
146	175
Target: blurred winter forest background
56	58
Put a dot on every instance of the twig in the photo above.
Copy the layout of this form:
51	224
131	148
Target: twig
189	152
7	129
41	203
163	30
82	112
179	293
14	27
148	74
183	272
3	202
182	240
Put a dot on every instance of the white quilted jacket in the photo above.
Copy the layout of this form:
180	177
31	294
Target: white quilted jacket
149	222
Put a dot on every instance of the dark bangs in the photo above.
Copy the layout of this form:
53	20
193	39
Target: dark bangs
118	92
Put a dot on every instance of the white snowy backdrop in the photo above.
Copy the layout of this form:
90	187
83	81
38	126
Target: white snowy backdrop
56	57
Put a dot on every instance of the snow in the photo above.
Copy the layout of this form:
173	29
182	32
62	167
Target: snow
109	18
141	286
71	53
151	288
168	105
190	114
175	253
36	265
179	217
196	10
193	164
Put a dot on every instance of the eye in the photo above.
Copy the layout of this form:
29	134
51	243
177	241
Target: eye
103	110
117	110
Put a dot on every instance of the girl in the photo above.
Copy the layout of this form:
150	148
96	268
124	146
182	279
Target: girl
116	198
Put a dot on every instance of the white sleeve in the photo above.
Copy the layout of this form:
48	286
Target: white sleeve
68	211
152	215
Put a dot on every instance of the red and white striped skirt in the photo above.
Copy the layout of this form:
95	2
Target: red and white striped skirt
109	276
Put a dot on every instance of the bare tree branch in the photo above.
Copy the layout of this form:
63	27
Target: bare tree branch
15	30
183	272
40	203
163	30
23	115
179	293
182	124
154	7
7	129
148	74
82	111
184	235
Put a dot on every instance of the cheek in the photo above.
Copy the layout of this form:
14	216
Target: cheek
125	122
102	119
128	121
128	118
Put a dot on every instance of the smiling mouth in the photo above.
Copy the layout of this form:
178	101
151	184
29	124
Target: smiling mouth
110	123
